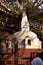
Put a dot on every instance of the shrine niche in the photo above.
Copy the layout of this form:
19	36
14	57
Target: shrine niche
31	40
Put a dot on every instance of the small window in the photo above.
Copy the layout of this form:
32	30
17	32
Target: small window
29	42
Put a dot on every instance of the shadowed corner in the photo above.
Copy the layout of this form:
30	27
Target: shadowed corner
41	55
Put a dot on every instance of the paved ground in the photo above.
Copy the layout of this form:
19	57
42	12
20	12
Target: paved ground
24	57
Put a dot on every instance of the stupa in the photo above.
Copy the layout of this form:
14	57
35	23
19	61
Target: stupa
26	38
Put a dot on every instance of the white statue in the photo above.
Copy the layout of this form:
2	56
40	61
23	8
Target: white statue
25	35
